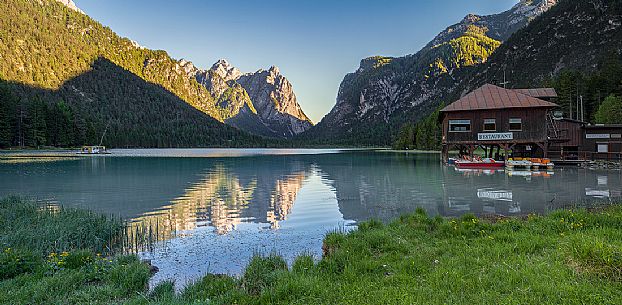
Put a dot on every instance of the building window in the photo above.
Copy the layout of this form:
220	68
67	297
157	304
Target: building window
459	125
602	147
516	124
490	125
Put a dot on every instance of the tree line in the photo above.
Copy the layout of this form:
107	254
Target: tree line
423	135
598	91
35	123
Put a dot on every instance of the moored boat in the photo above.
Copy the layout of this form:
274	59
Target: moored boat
93	150
529	163
542	164
518	164
484	163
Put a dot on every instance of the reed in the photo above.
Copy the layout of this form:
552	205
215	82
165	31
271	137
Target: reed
55	255
44	229
566	257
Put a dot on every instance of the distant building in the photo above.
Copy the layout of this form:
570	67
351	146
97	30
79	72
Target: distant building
523	122
569	143
492	118
605	141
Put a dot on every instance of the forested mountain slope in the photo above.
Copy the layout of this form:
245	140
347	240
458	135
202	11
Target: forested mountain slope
52	52
386	92
575	47
137	114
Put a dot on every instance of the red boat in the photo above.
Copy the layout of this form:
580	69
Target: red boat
485	163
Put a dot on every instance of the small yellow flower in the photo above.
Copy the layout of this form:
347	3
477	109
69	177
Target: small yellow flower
64	254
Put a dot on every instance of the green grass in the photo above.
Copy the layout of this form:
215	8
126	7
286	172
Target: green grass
25	224
60	257
566	257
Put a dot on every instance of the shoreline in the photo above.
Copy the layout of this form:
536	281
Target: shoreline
564	251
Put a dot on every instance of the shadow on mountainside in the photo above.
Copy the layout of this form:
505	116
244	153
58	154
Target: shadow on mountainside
139	113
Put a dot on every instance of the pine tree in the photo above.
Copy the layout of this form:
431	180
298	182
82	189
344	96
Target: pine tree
610	111
7	109
38	112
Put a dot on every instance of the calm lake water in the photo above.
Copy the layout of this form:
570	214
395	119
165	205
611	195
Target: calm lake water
214	208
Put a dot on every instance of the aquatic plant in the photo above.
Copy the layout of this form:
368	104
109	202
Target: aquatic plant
45	228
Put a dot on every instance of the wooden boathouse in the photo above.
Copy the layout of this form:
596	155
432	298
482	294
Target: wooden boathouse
500	120
587	141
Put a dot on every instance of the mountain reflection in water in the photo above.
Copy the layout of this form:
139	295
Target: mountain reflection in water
213	213
223	200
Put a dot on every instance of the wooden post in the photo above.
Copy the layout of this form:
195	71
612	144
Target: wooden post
472	148
543	147
505	151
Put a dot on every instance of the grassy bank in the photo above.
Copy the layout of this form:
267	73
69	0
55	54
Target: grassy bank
63	256
567	257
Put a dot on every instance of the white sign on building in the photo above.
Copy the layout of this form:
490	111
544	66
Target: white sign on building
495	136
597	136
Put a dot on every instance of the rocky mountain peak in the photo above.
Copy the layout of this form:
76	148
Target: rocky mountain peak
275	101
373	62
274	70
263	102
470	18
384	88
530	9
225	70
70	4
498	26
188	67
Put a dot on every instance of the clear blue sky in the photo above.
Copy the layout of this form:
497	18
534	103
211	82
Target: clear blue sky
314	42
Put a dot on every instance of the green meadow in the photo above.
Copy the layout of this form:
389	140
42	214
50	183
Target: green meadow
67	256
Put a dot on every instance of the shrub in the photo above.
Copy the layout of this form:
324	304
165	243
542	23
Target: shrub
15	262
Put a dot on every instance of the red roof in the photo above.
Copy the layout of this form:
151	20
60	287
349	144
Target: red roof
538	92
494	97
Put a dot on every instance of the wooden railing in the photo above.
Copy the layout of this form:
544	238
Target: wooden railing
585	155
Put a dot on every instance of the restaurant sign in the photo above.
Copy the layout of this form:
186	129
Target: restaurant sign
495	136
598	136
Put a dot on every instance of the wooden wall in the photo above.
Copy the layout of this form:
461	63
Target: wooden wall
571	131
533	121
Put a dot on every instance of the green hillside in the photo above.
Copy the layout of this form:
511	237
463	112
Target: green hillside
57	59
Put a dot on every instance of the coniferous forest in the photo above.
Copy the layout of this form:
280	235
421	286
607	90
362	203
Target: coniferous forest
599	89
65	78
132	112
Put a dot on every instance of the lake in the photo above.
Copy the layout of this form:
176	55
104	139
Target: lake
213	208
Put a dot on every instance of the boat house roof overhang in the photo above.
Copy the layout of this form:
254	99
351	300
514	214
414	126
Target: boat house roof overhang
491	97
